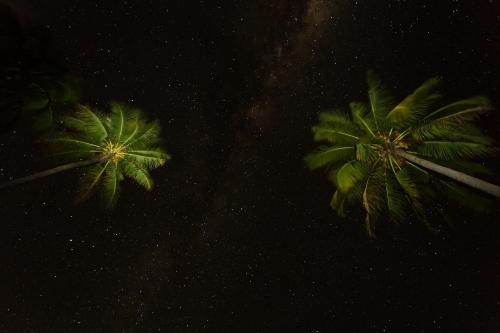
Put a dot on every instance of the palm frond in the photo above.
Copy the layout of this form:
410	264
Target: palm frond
337	133
420	174
464	196
148	159
412	192
67	146
463	110
369	225
90	179
450	150
61	86
137	173
365	151
88	123
434	131
414	107
418	208
116	121
110	185
34	97
362	117
146	135
408	185
122	121
381	101
64	140
334	116
373	194
325	155
43	120
470	133
457	131
346	176
450	117
350	180
339	203
355	195
395	198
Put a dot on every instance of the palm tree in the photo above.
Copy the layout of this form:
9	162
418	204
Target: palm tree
393	157
109	146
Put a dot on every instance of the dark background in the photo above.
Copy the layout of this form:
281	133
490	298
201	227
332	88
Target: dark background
237	235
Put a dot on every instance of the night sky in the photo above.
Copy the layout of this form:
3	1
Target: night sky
237	235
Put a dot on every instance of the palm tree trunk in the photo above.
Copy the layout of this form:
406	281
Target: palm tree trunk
459	176
55	170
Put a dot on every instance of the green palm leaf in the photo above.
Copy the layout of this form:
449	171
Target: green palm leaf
110	186
412	192
350	180
463	110
450	117
366	149
450	150
362	117
414	107
454	191
88	123
69	147
123	121
381	102
349	174
464	196
90	180
336	128
62	88
419	174
137	173
325	155
65	140
471	133
395	198
116	122
146	136
334	116
335	134
43	120
373	194
339	203
149	159
34	97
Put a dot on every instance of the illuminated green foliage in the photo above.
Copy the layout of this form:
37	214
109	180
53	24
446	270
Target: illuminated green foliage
364	152
125	136
107	148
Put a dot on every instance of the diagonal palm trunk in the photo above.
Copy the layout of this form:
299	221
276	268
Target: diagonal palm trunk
459	176
55	170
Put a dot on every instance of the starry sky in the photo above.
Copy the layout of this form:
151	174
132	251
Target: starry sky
237	234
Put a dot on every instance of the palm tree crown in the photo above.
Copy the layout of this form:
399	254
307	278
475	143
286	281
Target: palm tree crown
388	156
122	143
